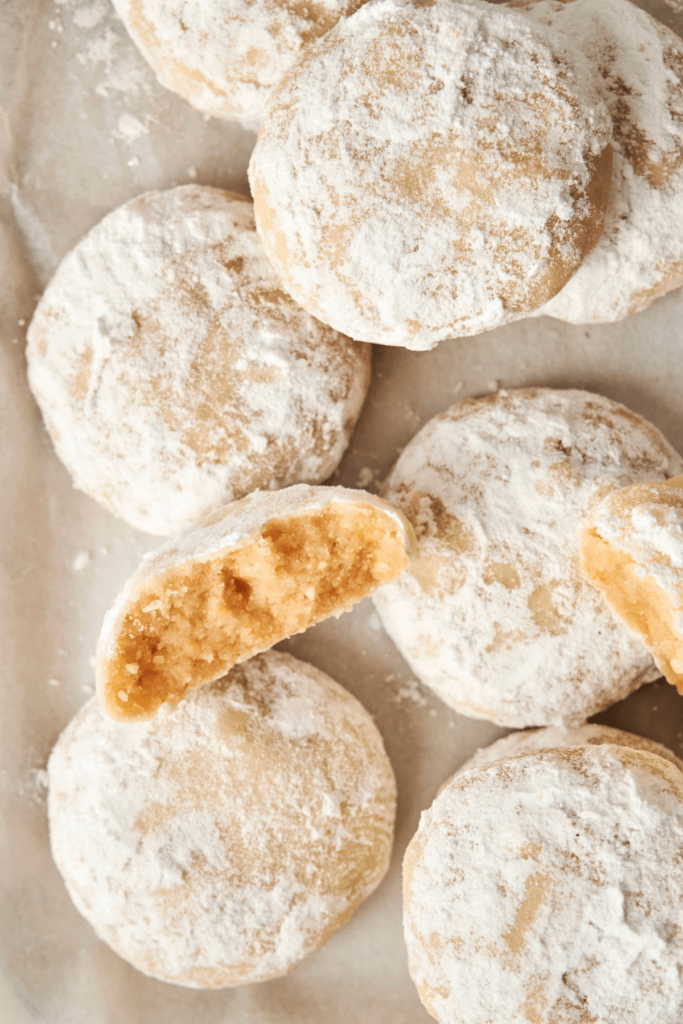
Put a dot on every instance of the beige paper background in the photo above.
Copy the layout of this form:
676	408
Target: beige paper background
83	127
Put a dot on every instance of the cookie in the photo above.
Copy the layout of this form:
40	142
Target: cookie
175	375
495	614
224	843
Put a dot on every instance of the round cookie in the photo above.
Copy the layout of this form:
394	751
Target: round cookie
632	551
638	71
225	56
547	888
175	375
246	577
494	613
431	170
587	735
224	843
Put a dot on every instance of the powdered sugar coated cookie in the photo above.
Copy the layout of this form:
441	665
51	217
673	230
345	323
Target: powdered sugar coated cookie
547	887
494	613
226	842
638	71
175	375
431	170
225	56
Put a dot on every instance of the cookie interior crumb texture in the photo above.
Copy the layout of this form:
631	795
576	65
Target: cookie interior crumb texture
224	843
190	624
632	550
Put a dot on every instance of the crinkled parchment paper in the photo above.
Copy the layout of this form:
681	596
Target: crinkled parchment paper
83	127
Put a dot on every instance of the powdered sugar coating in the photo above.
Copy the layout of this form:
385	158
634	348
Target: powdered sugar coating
431	170
547	888
494	613
638	71
225	56
587	735
173	372
224	843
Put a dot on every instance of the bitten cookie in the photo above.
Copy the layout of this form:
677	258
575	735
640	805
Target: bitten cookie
225	56
226	842
632	551
495	614
250	575
431	170
548	888
637	67
175	375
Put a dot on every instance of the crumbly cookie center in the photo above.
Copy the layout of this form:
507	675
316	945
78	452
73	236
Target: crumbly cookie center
638	600
200	619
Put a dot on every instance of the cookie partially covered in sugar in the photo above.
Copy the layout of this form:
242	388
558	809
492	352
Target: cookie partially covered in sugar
224	843
547	887
225	56
632	551
638	70
430	170
587	735
494	614
246	577
173	372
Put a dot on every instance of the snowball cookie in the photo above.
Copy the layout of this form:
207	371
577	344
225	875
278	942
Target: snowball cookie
632	550
638	70
224	843
547	888
494	613
225	56
430	170
173	372
561	736
253	573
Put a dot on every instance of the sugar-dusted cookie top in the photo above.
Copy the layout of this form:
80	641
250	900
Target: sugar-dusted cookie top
174	373
548	887
637	67
494	613
224	843
429	170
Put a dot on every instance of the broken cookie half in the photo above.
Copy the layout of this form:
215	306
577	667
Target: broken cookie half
247	576
632	550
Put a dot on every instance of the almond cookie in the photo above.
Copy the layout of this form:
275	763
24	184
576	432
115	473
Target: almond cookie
495	614
430	170
224	843
175	375
548	887
246	577
225	56
637	66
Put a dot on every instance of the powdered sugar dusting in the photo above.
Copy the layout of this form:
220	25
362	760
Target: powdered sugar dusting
494	613
546	887
638	70
227	841
364	178
225	56
175	375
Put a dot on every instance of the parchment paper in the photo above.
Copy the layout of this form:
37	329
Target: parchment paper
83	127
